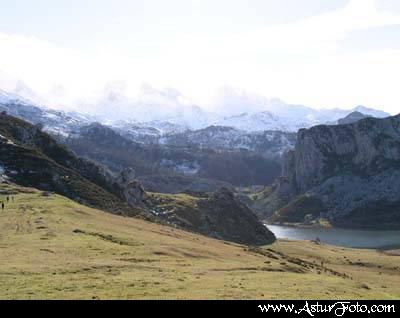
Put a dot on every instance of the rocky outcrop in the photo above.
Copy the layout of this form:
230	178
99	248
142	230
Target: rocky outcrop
220	215
226	217
132	190
352	171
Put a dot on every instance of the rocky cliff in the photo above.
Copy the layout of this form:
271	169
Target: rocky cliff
349	174
220	215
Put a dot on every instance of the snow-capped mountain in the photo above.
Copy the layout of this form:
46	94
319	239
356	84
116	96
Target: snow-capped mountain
7	97
23	90
270	144
154	113
165	118
170	111
252	121
274	114
150	106
53	121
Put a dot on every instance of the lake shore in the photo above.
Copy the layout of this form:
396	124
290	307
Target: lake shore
351	238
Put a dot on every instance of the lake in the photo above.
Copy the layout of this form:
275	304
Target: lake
340	237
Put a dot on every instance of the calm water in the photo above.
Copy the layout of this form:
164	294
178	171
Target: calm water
341	237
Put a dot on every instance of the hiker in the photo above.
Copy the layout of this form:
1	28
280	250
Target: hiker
8	199
2	205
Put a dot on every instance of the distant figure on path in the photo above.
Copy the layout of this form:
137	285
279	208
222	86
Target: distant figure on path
2	205
8	199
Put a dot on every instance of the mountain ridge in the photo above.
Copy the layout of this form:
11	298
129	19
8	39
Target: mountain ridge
348	174
170	112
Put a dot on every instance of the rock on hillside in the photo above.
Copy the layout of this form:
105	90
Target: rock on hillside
349	174
133	190
220	215
230	219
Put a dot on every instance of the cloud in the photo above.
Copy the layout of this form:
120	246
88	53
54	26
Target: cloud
303	62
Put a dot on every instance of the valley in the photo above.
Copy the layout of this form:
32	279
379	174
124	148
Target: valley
115	211
201	150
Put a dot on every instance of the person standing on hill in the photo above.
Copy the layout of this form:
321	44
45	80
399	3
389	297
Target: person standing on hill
2	205
8	199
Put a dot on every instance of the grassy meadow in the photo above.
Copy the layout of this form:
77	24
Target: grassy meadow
54	248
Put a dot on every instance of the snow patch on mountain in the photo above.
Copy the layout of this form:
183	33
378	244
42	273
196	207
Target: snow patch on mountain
185	167
153	113
7	97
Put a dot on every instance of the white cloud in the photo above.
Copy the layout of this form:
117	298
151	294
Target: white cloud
302	62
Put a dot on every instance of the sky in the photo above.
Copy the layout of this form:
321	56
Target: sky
320	53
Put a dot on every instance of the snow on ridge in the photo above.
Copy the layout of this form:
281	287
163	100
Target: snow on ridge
162	112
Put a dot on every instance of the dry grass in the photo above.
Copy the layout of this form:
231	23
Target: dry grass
52	248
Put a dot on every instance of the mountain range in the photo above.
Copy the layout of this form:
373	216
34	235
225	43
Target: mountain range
168	152
158	188
161	112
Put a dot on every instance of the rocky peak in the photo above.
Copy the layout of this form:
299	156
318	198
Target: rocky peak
352	118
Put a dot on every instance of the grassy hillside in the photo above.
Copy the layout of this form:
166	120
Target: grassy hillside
33	158
52	247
